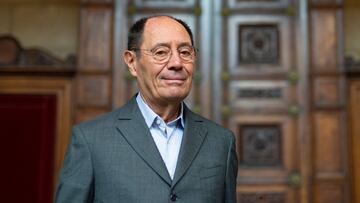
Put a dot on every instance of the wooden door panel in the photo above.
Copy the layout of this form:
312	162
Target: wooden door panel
330	181
327	144
95	39
94	91
329	192
250	4
250	96
265	146
259	44
95	63
327	92
324	44
355	137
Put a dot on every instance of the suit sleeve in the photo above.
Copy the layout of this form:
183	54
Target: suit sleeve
76	178
231	173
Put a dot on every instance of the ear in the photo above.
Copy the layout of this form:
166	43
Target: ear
129	59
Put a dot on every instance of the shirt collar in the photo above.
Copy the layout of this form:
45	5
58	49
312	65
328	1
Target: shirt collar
150	115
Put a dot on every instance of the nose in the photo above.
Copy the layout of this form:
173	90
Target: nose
175	61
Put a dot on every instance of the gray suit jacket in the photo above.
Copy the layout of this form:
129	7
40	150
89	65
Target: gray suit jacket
113	158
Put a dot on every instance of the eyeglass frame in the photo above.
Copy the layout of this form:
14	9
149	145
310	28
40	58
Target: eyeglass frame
152	53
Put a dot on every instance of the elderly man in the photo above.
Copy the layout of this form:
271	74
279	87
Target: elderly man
153	149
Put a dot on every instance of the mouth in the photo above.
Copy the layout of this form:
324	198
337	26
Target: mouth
180	79
175	77
174	80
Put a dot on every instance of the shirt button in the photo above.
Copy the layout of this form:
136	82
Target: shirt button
158	122
173	197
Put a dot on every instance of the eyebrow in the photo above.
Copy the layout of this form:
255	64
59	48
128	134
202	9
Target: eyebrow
168	45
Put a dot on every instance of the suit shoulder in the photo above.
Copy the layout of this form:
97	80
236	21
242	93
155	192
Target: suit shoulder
107	119
100	122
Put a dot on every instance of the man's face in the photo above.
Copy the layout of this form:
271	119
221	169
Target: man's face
162	82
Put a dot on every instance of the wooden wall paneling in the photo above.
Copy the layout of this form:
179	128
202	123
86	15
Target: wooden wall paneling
63	89
327	92
260	44
248	4
286	146
265	95
94	78
330	164
354	113
327	143
95	39
83	114
266	147
324	41
329	192
94	90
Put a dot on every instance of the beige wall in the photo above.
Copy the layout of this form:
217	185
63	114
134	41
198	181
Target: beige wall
49	24
352	28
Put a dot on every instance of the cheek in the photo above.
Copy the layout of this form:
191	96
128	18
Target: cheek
190	71
190	68
148	72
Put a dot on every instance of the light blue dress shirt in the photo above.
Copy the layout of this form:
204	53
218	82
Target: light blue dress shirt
167	136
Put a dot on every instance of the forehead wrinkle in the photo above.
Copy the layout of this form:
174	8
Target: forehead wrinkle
155	26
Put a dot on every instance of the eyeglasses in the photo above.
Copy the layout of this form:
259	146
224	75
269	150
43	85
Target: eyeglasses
162	54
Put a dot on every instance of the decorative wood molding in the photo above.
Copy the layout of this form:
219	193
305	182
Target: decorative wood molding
59	86
13	54
37	71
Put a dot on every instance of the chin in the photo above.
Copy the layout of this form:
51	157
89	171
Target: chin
175	96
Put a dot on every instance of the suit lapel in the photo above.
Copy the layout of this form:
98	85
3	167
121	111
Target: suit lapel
193	138
133	128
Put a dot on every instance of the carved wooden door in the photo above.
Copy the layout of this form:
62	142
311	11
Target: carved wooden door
256	95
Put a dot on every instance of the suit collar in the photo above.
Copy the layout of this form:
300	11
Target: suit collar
133	128
150	116
193	138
